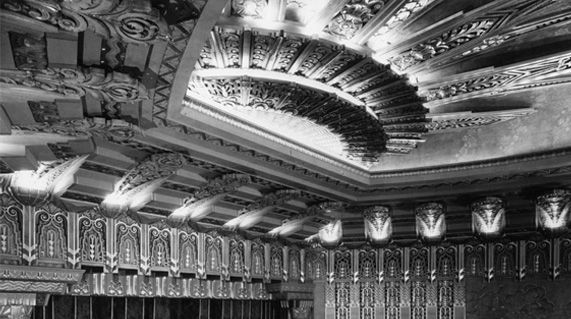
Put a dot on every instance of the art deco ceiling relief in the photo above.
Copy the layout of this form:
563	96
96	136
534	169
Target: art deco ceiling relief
371	73
354	121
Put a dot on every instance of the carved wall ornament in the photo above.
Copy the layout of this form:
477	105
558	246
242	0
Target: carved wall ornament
488	217
29	52
430	222
378	225
249	8
258	259
552	212
276	261
213	253
129	21
100	84
354	15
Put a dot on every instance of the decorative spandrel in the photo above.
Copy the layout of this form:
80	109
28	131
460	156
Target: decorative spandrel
188	244
258	260
10	230
92	238
51	236
128	244
237	262
294	263
316	264
343	264
276	261
159	247
367	264
213	253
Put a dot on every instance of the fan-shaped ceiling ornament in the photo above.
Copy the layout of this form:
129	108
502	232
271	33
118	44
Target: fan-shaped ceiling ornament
353	69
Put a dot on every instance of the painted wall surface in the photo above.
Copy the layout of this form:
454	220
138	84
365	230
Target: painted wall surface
533	298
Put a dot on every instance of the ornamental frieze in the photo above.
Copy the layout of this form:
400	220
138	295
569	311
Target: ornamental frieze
98	83
132	22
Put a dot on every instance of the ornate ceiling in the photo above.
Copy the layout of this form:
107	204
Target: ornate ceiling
259	116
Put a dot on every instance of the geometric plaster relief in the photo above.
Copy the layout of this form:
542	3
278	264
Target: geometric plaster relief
360	133
367	108
39	274
508	79
378	225
135	189
199	204
253	213
32	286
446	121
430	221
49	181
353	17
463	36
98	83
132	22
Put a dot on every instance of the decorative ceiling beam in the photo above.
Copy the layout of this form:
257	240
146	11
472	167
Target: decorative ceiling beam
274	77
550	70
136	188
98	83
199	205
254	212
440	44
132	22
447	121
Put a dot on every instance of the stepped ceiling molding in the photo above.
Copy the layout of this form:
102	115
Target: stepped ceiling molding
294	121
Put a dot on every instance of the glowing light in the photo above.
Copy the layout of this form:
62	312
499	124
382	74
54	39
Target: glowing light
552	212
330	235
48	181
488	217
430	221
378	225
